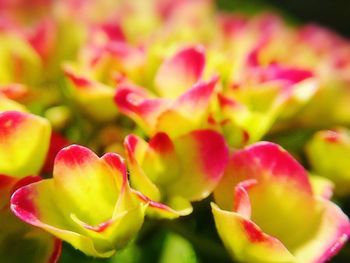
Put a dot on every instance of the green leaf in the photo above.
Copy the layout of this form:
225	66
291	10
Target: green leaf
177	250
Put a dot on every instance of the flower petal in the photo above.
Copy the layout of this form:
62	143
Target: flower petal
136	149
94	98
189	111
245	240
332	232
22	136
262	161
185	169
180	72
203	155
79	177
321	186
150	174
238	118
159	157
327	153
139	105
190	166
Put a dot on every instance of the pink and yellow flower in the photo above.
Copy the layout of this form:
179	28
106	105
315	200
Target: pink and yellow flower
267	211
87	203
267	95
171	173
328	152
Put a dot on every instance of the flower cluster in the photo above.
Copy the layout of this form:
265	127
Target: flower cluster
176	97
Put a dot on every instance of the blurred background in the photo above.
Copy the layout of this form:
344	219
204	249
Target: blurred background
334	14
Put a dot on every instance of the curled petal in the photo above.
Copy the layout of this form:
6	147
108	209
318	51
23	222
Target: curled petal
241	198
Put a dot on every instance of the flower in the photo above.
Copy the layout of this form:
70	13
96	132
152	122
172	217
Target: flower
273	214
87	203
170	173
328	153
267	95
